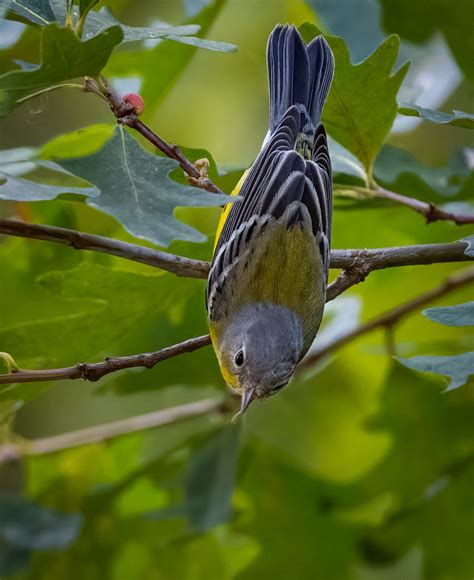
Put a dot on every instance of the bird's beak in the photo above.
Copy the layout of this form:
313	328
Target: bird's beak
247	397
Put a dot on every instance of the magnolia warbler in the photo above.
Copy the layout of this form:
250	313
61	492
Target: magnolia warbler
267	285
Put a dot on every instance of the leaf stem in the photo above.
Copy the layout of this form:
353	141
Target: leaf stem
49	89
69	14
9	362
431	212
95	371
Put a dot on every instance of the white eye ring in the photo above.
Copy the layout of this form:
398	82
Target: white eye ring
239	358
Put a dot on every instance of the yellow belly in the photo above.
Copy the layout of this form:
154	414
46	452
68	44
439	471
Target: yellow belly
282	266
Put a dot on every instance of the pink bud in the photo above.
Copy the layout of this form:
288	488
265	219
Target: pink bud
136	102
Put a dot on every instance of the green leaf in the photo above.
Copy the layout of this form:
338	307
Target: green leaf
437	431
78	143
401	171
86	5
211	479
36	11
457	118
458	367
29	526
18	189
64	57
136	189
361	105
458	315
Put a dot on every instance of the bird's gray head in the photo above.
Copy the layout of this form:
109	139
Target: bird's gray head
260	349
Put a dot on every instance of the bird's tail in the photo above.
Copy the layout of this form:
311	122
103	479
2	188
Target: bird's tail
299	74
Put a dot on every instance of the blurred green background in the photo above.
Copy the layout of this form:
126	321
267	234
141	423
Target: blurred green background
361	470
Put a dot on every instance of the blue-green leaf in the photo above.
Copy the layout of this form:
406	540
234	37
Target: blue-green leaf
469	251
456	118
458	367
458	315
30	526
136	189
211	478
36	11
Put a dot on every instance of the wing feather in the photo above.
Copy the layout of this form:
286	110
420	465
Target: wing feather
280	177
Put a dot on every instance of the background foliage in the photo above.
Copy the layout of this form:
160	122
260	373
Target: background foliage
362	469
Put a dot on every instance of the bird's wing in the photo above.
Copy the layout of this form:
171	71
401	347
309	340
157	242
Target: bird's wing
279	177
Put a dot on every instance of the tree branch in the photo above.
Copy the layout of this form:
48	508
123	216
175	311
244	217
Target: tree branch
356	264
126	114
14	450
95	371
82	241
390	318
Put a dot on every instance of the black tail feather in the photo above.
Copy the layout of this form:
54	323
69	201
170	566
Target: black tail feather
299	74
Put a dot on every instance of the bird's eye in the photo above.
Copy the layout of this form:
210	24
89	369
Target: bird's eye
239	358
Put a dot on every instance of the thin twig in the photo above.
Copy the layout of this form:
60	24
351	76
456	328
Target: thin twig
125	114
95	371
390	318
431	212
356	264
14	450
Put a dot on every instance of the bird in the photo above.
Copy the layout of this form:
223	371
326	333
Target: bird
266	287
